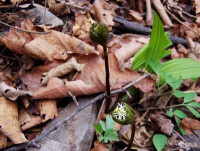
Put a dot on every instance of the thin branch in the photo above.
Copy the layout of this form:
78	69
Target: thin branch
77	110
74	98
45	8
181	21
23	30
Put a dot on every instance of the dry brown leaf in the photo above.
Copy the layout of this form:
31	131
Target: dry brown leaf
52	46
3	141
61	70
9	124
165	125
11	92
195	50
187	33
99	147
48	109
58	8
90	81
28	121
189	125
161	10
104	15
83	22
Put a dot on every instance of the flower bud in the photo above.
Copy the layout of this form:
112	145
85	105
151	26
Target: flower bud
123	114
99	33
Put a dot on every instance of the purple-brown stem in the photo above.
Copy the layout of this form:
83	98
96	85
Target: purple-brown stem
108	97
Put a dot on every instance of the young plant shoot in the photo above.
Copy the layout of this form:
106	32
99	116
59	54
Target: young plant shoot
124	114
99	33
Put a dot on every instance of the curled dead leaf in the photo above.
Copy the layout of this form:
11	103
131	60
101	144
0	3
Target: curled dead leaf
9	124
11	92
62	70
48	109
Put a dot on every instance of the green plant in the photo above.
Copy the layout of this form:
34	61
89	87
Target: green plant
99	33
159	141
124	114
106	130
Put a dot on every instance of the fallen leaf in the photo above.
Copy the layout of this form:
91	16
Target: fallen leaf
9	124
48	109
58	8
52	46
11	92
61	70
135	15
3	141
83	23
194	47
104	15
197	6
189	125
165	125
14	2
28	121
99	147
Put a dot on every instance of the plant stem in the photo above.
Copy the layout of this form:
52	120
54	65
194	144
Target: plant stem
132	137
108	97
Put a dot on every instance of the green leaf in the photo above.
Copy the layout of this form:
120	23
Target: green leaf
109	122
180	114
159	141
110	135
194	104
184	67
98	128
170	112
193	111
189	97
103	125
178	122
178	94
155	49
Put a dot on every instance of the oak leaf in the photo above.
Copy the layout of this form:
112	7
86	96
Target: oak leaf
9	124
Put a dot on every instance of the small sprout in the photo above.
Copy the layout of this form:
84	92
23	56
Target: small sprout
99	33
124	114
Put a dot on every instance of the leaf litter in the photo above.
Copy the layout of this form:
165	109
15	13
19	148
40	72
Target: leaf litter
56	63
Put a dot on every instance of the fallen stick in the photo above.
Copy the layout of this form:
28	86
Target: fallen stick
136	28
77	110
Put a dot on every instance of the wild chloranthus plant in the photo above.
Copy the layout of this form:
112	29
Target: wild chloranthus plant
124	114
99	33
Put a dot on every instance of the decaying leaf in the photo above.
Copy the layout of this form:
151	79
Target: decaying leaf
100	7
3	141
197	6
99	147
58	8
61	70
48	109
195	50
28	121
9	124
165	125
11	92
83	23
161	10
52	46
189	125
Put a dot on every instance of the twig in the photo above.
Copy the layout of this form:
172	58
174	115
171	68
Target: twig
74	98
77	110
23	30
181	22
45	8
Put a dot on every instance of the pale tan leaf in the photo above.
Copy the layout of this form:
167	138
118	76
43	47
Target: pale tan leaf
197	6
161	10
105	16
28	121
3	141
14	2
9	124
61	70
11	92
195	50
48	109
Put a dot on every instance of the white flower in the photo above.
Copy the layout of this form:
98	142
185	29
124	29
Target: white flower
120	112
